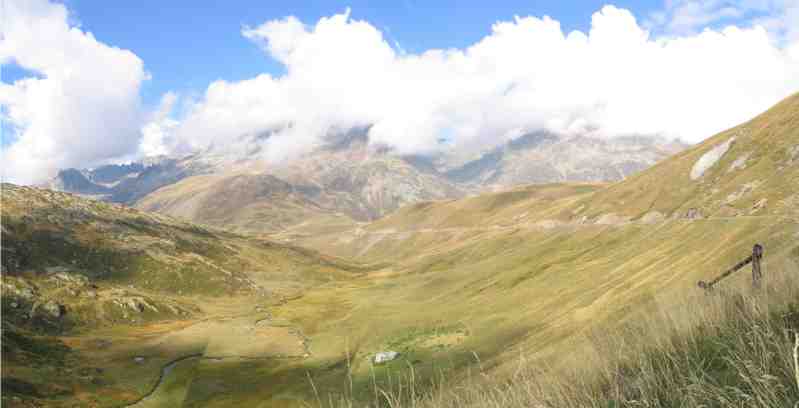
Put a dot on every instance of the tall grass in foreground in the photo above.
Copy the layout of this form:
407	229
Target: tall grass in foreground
731	348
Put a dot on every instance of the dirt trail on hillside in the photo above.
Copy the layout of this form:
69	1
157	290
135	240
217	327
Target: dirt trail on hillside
548	225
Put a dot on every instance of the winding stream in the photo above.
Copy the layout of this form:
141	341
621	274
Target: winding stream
168	390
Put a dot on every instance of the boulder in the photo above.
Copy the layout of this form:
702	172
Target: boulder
794	155
739	163
652	217
19	290
759	205
52	309
693	214
385	356
710	158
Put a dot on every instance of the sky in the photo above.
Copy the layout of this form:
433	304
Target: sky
188	44
91	82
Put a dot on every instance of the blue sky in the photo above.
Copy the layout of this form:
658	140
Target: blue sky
111	81
186	44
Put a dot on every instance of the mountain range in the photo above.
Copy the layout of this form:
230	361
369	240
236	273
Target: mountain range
347	179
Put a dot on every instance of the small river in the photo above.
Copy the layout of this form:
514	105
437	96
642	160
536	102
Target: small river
172	385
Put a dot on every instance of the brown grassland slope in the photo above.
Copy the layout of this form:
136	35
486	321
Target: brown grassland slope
529	271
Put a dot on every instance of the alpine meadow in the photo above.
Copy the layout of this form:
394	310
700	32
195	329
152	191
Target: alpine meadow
430	205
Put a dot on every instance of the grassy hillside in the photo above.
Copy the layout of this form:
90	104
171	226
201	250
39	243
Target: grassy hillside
756	176
530	270
735	347
87	287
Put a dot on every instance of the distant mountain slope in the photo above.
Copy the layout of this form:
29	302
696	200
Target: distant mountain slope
348	176
542	157
125	183
751	169
249	202
353	180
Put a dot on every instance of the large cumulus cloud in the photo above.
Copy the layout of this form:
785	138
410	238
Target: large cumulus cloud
615	79
82	107
668	75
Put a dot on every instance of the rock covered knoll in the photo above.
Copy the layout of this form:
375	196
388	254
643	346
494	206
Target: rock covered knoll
70	261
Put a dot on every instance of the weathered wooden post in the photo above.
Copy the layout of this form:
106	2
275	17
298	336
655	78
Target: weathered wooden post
757	274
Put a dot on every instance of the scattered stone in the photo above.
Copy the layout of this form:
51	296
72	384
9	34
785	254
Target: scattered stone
739	163
745	189
693	214
794	153
135	303
611	219
728	211
582	220
56	270
53	309
548	224
87	371
14	305
385	356
652	217
17	290
759	205
174	309
138	359
69	278
99	381
710	158
102	343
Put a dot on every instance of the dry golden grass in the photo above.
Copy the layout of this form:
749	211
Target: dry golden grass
732	347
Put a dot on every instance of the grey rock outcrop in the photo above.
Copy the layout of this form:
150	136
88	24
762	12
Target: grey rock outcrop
52	309
710	158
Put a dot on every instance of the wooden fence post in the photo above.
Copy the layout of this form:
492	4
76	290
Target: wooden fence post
757	274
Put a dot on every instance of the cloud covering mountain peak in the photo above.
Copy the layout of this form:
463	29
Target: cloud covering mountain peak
616	79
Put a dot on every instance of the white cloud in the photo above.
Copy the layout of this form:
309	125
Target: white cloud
527	74
157	134
82	108
616	79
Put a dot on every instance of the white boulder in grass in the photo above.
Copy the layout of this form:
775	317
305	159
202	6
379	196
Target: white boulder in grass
385	356
710	158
